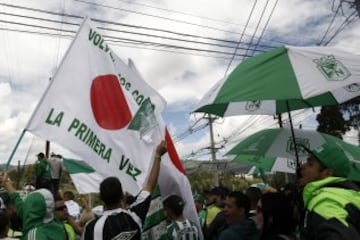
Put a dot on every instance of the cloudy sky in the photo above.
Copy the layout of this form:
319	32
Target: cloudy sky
181	48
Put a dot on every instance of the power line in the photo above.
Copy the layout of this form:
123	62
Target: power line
117	43
330	24
346	22
115	39
264	28
165	18
241	37
130	26
59	39
257	27
123	31
180	12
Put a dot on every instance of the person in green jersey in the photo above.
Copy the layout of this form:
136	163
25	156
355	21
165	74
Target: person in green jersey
180	228
201	209
43	174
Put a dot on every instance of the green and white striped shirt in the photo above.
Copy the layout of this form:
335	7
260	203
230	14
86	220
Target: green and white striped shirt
183	230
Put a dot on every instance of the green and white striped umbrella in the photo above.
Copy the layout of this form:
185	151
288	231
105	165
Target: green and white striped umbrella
267	164
300	76
263	147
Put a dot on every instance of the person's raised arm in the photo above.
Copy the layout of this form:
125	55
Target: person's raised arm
161	149
7	184
14	196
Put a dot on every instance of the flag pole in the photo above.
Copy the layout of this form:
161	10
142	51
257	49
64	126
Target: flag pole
15	148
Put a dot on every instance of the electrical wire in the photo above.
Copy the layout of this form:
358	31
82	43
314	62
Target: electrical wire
179	12
111	23
117	43
257	27
241	37
330	24
115	39
160	17
350	19
257	44
59	38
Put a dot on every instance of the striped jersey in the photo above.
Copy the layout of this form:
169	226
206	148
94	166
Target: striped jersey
183	230
119	224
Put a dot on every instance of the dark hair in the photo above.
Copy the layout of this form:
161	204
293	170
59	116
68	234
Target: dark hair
129	199
254	194
69	194
241	201
4	221
111	191
278	208
219	191
175	204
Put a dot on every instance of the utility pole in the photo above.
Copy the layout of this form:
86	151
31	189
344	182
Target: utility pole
47	148
213	150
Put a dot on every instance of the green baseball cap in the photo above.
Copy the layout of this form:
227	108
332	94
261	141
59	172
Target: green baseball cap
333	156
199	198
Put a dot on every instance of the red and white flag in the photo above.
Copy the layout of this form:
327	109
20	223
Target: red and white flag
102	110
89	105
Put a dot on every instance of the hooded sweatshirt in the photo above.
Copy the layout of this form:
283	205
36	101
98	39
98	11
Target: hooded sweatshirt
332	209
37	213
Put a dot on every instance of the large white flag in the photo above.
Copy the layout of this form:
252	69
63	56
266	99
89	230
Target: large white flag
102	110
88	106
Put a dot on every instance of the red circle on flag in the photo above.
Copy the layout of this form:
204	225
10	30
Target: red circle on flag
108	103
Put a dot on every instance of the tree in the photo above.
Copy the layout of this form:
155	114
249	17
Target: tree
331	121
351	109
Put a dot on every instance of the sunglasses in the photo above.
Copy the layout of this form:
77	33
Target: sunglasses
61	208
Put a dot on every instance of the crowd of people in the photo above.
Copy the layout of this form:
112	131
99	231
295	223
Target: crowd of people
322	204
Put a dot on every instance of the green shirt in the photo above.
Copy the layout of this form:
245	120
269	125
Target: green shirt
202	217
36	212
181	230
42	169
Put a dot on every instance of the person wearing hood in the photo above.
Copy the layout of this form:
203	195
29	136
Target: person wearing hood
37	213
237	212
331	202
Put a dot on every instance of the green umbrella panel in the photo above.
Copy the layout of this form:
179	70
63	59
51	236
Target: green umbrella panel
285	79
272	143
267	164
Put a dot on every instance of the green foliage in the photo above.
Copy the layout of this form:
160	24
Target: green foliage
202	181
336	120
352	110
331	121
